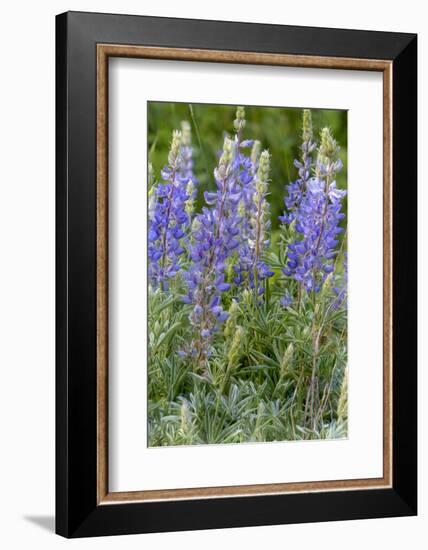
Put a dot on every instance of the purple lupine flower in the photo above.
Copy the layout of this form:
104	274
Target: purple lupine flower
239	122
187	178
247	177
214	239
256	240
252	209
317	218
286	299
304	165
245	166
167	220
185	168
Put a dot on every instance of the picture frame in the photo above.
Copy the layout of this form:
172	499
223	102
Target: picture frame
84	44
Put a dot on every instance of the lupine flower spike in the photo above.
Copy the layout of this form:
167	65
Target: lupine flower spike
215	239
317	218
167	220
259	225
304	166
246	271
186	168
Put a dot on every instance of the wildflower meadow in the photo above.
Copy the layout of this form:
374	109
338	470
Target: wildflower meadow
247	274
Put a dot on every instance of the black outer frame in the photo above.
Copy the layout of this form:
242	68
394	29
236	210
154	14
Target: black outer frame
77	513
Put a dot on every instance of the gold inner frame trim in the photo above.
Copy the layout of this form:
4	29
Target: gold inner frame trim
104	51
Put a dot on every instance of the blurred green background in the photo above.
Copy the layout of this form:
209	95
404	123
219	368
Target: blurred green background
277	128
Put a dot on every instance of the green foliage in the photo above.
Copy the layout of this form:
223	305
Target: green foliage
258	383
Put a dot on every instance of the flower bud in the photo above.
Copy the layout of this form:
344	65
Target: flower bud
190	203
342	407
235	348
175	148
255	153
226	156
185	416
186	134
239	122
307	125
286	359
229	328
263	173
329	149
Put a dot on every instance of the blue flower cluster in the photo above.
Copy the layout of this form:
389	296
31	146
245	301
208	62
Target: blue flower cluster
251	266
316	219
214	239
304	166
185	165
168	218
231	231
185	168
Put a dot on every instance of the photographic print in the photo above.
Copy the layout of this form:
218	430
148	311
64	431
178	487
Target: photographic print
247	271
228	244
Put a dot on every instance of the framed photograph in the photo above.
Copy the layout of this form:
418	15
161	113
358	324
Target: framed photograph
236	274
